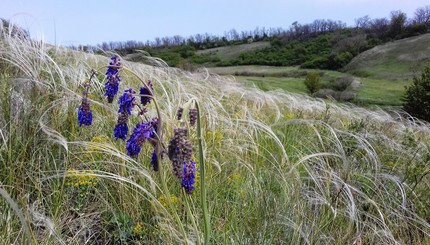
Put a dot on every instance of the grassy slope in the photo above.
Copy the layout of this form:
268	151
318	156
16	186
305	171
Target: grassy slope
398	60
231	52
281	167
383	71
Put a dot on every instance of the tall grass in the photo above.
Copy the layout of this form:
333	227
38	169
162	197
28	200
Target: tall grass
281	168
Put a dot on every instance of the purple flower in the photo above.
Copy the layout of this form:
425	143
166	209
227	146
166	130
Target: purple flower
179	113
121	128
85	115
145	94
113	79
111	87
193	116
140	134
126	101
154	160
188	176
114	65
179	151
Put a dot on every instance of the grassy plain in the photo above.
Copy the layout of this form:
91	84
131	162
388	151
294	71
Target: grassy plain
281	168
372	91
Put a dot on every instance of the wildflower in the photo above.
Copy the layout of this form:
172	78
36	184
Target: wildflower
141	133
179	113
85	115
111	87
145	94
114	65
188	176
126	101
179	151
154	160
113	79
173	200
138	229
152	137
121	128
193	116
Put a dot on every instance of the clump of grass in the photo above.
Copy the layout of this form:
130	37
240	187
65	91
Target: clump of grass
279	166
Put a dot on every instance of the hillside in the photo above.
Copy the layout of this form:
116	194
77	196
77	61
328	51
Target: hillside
273	167
397	60
233	51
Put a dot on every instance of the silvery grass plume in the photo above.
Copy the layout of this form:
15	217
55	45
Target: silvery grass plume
287	167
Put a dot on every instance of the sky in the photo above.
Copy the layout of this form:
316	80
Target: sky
65	22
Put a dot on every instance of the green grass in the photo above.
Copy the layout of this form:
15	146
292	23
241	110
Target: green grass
281	167
381	92
372	91
398	60
293	85
232	52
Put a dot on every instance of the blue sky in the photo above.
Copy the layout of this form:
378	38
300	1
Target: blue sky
77	22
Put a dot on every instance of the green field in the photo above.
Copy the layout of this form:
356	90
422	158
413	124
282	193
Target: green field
372	91
258	167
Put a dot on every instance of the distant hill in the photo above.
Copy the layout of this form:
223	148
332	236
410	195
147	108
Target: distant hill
398	60
234	51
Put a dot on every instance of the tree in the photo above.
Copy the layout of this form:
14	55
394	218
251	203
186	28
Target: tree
422	15
363	22
313	82
397	24
417	97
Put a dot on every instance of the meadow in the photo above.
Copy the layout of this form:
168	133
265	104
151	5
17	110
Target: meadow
279	167
372	91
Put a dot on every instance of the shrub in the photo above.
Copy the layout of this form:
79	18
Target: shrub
417	97
313	82
342	84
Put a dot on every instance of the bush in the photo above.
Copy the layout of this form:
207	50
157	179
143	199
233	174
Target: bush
417	97
336	95
342	84
313	82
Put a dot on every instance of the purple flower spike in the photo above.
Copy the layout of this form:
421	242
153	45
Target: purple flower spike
113	79
154	161
145	94
85	115
188	177
179	151
140	134
121	128
126	101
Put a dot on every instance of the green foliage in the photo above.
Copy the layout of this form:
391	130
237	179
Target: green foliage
313	82
417	97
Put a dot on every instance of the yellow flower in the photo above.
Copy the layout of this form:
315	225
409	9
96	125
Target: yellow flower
80	178
215	136
289	116
173	199
138	229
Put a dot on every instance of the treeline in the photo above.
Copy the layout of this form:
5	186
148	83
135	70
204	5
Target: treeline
316	46
324	44
198	41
